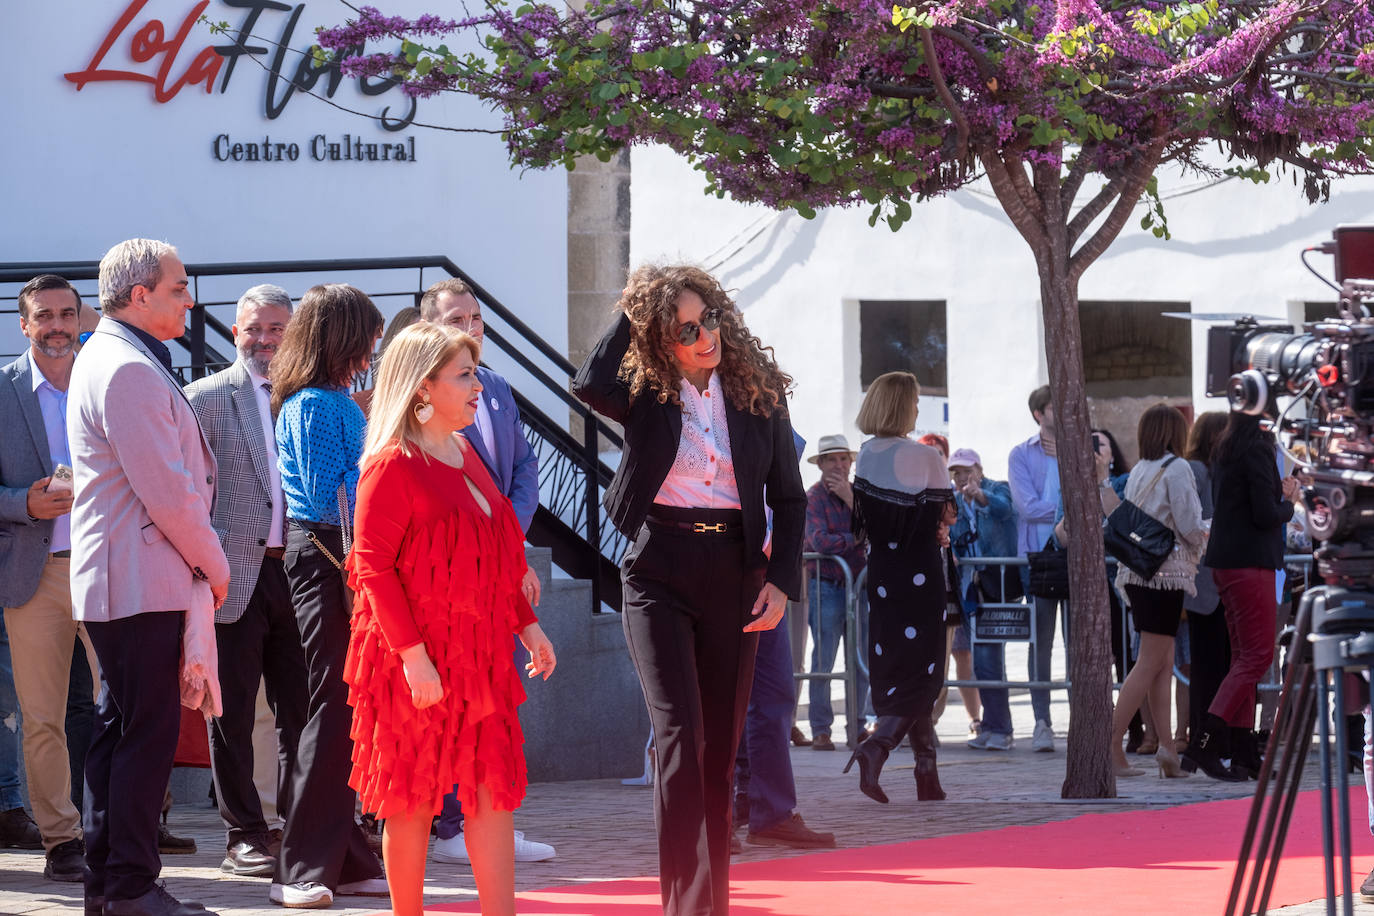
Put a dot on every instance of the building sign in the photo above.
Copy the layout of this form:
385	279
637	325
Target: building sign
141	48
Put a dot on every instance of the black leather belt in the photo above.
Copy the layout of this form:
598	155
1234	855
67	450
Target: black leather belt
275	553
697	527
63	554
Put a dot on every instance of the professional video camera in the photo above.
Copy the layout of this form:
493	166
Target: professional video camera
1329	372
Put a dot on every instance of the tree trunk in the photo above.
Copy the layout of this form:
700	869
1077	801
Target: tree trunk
1089	772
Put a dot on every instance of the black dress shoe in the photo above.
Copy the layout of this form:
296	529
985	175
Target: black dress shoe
251	859
66	862
171	845
157	902
18	831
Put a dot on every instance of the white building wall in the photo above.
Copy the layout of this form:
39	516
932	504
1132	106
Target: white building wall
1235	248
85	169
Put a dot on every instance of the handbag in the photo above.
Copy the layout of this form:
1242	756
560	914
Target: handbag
999	585
1137	539
1049	572
346	533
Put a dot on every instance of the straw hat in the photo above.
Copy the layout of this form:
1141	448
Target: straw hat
832	445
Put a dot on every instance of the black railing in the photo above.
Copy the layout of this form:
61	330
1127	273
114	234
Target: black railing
571	473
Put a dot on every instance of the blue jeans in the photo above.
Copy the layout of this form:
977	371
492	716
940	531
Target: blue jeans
827	610
763	767
10	760
1039	655
989	664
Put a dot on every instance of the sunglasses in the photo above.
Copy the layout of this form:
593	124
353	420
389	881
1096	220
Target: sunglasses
689	332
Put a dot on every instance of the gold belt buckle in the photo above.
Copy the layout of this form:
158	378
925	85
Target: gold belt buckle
703	528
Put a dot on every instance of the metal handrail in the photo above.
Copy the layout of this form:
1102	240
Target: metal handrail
515	340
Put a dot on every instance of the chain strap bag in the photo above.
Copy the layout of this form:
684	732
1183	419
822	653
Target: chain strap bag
1137	539
346	532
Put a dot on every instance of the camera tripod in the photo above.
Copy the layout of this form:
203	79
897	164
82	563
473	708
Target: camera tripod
1333	633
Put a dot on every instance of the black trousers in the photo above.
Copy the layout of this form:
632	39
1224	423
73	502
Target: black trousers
80	719
262	645
137	721
687	598
321	841
1210	645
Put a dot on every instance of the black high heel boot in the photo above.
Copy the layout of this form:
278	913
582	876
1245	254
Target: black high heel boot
872	754
927	776
1205	752
1245	753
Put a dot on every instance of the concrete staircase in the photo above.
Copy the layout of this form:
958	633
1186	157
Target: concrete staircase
588	721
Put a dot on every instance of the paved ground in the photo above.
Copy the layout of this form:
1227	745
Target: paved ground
603	829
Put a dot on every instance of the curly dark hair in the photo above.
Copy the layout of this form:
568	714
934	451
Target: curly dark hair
749	375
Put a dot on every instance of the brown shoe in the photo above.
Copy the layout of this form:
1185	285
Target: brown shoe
822	742
169	844
799	739
792	832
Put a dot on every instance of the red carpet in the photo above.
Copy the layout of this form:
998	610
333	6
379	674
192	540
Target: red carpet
1160	861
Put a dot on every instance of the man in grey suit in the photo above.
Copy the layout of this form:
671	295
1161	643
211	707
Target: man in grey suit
143	550
255	628
35	556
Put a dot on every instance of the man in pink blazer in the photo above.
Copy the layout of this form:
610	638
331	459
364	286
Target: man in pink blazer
141	536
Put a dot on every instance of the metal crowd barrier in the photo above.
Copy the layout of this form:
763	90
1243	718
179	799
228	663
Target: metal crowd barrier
1014	623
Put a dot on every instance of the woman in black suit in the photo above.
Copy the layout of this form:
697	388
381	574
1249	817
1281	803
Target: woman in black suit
707	444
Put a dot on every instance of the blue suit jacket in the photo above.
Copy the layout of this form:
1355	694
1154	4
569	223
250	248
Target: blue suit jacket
517	471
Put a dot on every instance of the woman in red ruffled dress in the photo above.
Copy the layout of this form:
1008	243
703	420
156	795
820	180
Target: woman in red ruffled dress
437	563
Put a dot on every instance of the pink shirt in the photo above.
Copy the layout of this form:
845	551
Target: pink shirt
703	474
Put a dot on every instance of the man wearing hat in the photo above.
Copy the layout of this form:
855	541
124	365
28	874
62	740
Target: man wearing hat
986	527
829	517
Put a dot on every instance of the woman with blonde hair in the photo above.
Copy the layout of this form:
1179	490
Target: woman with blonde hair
707	444
437	565
903	503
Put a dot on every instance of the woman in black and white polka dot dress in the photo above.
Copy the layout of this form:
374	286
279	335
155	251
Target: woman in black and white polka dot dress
901	497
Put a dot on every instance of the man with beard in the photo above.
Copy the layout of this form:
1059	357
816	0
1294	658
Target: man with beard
35	557
255	628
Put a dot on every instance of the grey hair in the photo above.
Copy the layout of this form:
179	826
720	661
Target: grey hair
263	294
136	262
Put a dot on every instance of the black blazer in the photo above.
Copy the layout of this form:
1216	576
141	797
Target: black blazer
763	450
1248	512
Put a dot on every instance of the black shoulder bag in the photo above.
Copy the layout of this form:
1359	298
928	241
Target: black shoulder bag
1136	538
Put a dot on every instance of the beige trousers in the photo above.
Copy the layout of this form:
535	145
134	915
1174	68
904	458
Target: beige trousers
41	634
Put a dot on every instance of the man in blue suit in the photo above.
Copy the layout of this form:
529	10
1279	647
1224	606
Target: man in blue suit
497	438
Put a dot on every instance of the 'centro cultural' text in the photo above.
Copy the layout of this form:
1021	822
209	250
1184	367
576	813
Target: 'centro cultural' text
320	148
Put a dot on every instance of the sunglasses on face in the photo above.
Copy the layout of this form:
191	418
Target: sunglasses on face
689	332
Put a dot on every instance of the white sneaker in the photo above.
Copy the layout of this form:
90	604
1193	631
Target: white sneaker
999	742
1043	737
305	895
368	887
530	851
979	742
455	849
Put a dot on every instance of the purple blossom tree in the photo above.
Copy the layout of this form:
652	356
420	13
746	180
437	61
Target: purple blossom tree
1068	108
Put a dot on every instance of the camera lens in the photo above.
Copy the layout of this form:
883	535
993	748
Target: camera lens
1248	392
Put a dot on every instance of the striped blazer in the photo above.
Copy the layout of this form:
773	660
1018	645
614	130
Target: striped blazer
227	407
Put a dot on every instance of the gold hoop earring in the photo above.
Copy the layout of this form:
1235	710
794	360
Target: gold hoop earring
424	412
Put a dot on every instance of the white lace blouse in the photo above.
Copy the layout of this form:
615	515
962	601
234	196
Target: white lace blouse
703	473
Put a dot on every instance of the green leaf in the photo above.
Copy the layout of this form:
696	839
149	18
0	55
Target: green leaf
619	118
806	211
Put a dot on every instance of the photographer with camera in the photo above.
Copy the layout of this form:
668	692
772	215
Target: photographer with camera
986	527
1251	507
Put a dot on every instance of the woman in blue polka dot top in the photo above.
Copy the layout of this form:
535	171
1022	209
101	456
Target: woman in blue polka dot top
320	433
902	497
